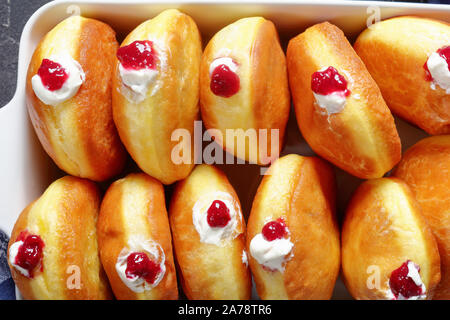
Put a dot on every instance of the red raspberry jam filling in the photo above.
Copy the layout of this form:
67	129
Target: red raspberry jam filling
329	81
139	265
218	214
29	255
138	55
52	74
402	284
224	82
274	230
444	52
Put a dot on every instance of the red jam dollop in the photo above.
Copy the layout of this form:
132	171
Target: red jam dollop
224	82
29	255
52	74
402	284
140	265
274	230
329	81
218	214
138	55
444	52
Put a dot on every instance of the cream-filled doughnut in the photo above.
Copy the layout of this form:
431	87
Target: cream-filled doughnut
409	58
156	94
388	250
339	108
209	237
292	233
425	167
135	242
69	98
244	93
53	251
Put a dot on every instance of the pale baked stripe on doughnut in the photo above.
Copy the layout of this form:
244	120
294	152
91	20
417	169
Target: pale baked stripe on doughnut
234	41
273	201
136	203
397	199
44	219
146	127
207	271
134	208
60	121
383	228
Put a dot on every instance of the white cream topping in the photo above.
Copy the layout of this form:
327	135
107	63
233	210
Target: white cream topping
413	273
332	103
438	68
13	251
223	60
271	254
137	82
154	252
215	235
244	258
75	79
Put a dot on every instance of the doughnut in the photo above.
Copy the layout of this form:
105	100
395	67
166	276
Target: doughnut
409	58
135	242
425	167
244	94
68	93
156	92
53	250
388	250
292	232
209	237
339	108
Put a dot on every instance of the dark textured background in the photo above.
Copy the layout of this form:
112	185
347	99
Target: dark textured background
13	16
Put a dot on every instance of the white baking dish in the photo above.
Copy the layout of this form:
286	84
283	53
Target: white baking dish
25	169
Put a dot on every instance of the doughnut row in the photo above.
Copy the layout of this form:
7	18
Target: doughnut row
93	103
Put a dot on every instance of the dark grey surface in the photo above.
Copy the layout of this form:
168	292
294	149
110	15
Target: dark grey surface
13	16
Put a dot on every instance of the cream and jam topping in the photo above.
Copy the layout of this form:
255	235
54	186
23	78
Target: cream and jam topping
272	247
405	283
58	79
215	217
224	79
141	265
26	254
437	69
137	67
330	89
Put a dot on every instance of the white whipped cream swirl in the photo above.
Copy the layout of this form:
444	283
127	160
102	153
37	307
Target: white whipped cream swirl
75	79
155	253
438	68
216	235
271	254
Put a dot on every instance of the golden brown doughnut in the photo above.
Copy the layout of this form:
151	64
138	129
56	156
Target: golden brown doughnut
133	226
385	238
395	52
425	167
165	95
76	131
348	123
209	237
59	229
257	97
294	208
